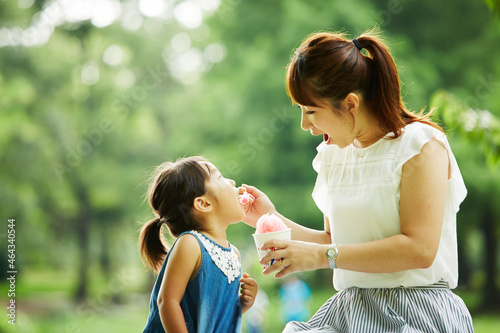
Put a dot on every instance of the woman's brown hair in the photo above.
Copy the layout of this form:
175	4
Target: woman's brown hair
327	66
171	194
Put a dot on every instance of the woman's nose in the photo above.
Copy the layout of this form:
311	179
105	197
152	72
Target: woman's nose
305	124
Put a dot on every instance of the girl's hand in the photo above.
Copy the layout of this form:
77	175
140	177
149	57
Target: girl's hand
259	206
248	292
293	256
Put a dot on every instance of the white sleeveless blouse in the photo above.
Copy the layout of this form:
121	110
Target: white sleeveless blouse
358	189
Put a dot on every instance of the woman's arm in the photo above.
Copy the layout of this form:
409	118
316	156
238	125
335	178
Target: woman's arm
262	205
183	264
422	201
305	234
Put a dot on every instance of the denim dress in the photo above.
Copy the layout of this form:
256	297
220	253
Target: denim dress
211	301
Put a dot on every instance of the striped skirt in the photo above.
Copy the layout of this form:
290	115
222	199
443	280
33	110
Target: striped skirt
426	309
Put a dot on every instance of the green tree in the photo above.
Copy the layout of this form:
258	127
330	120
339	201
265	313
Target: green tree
494	5
478	134
90	104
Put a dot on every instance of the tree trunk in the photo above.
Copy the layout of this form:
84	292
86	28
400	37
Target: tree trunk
464	270
83	224
105	257
491	294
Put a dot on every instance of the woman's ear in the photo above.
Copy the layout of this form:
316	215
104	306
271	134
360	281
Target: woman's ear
352	101
202	204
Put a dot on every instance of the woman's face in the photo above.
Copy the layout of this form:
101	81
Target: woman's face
322	120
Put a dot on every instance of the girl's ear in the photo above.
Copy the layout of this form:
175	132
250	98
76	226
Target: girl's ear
202	204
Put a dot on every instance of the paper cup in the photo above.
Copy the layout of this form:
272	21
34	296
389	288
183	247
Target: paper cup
264	237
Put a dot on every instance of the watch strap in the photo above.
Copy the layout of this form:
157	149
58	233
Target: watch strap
332	259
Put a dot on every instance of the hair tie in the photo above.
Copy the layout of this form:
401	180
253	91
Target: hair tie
355	41
160	221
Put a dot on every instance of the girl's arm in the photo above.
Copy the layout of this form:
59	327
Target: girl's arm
422	201
262	205
183	264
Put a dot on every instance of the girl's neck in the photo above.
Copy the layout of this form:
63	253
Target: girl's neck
217	234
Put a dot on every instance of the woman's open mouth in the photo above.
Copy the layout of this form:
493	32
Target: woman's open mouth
326	138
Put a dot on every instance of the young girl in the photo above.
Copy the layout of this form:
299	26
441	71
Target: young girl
199	276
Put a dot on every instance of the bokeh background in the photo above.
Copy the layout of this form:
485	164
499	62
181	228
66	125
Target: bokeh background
95	93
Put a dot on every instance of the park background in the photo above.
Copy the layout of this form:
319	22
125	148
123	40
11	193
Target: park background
95	93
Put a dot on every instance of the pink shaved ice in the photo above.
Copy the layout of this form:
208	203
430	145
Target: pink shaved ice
269	223
244	198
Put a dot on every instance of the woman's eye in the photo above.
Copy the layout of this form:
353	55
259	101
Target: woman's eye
309	112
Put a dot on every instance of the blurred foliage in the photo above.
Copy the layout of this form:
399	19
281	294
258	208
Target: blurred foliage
478	126
494	5
89	105
476	134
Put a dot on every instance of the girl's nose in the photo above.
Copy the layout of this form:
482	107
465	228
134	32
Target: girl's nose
232	182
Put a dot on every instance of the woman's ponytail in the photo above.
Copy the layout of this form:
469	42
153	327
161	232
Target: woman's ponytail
384	89
152	245
384	92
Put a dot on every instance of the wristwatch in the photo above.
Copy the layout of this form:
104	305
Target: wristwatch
331	254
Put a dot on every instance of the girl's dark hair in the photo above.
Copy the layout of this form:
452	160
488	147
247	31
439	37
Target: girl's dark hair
327	66
171	194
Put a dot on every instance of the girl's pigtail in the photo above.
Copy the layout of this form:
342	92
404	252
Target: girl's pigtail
152	245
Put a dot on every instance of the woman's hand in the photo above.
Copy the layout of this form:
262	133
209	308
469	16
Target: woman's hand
293	256
248	292
260	205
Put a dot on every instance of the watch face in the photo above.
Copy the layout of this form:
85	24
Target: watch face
330	252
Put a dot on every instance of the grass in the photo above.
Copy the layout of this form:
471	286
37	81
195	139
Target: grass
43	305
131	317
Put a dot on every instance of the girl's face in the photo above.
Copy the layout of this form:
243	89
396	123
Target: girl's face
322	120
226	195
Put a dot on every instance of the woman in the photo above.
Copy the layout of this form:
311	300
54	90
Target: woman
389	188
